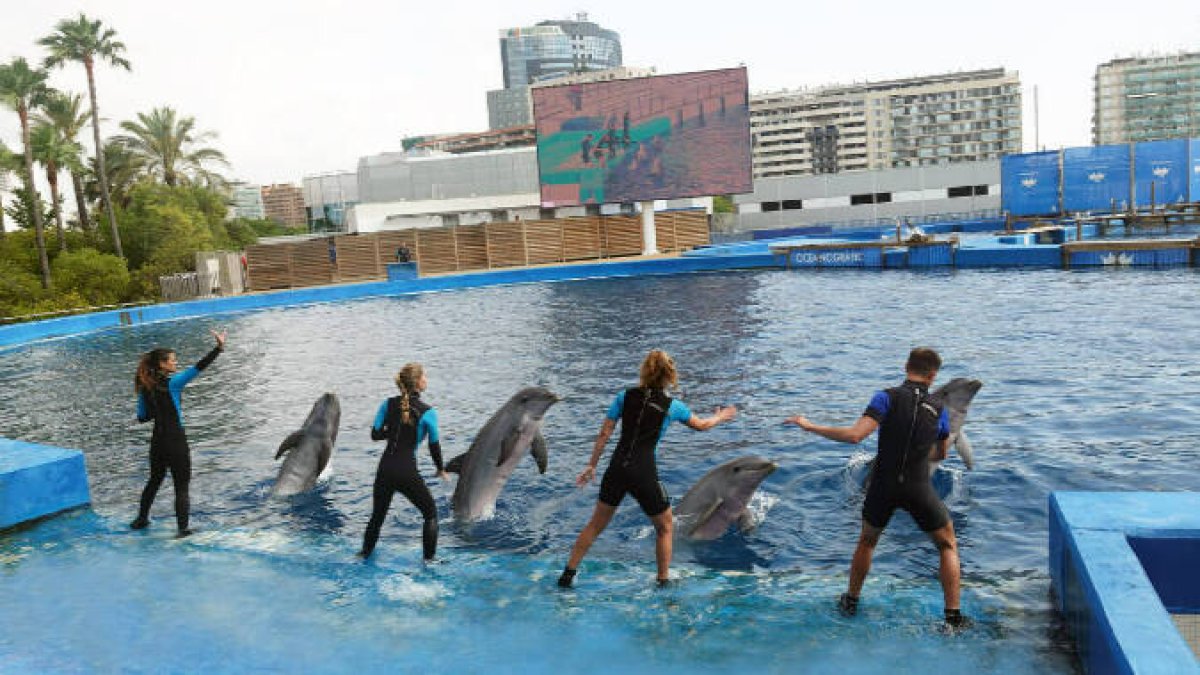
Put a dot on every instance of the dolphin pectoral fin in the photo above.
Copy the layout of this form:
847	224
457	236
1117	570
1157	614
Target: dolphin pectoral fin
963	445
455	465
288	443
746	522
703	517
508	447
539	452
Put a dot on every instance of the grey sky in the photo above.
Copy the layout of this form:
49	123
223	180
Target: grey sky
301	87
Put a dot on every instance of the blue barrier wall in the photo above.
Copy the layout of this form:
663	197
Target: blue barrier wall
836	257
1194	151
1171	564
1165	165
1096	178
1029	184
38	481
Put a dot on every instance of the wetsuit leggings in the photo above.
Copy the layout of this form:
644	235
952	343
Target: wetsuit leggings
172	454
388	481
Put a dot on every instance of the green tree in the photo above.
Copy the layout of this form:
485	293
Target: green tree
22	88
99	278
722	204
84	41
9	163
64	111
20	210
124	170
167	145
54	152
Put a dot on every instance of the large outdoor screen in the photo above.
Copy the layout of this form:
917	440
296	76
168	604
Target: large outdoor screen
662	137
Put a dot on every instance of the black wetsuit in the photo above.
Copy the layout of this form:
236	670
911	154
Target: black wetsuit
168	443
633	469
398	472
911	423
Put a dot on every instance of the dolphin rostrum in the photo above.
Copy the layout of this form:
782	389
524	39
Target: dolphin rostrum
719	498
309	449
956	396
514	430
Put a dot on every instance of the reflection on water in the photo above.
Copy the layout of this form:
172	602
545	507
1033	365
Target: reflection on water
1090	383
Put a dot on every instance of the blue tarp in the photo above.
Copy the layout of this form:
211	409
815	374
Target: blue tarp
1195	152
1029	184
1165	165
1096	178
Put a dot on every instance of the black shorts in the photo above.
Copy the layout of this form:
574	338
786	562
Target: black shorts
643	485
916	497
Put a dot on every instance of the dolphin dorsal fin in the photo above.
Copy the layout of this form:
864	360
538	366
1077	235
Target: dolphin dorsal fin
456	465
539	452
288	443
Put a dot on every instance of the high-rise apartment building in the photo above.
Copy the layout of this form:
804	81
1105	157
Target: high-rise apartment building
920	121
1147	99
284	204
547	50
247	201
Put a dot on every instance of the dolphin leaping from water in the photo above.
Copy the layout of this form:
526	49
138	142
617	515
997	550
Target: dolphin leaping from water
719	498
485	467
309	449
956	396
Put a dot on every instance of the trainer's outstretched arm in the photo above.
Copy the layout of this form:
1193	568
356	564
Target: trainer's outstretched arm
865	426
589	472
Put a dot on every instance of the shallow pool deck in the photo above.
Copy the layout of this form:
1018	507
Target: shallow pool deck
1121	565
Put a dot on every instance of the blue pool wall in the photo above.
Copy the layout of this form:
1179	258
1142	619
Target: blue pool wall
37	481
1119	563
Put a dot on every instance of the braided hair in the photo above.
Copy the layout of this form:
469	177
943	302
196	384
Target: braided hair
407	380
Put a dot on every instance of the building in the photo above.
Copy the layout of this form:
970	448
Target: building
543	52
517	103
247	202
284	203
479	141
326	198
1147	99
920	121
963	190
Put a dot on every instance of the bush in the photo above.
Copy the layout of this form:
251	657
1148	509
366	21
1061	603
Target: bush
97	278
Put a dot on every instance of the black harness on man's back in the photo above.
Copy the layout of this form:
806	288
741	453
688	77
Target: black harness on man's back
641	426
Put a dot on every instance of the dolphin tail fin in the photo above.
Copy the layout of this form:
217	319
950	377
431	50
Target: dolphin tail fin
746	521
963	445
288	443
455	465
539	452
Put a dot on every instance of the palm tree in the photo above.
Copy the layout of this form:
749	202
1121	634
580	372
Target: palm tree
83	41
166	143
9	163
21	88
55	153
123	171
64	111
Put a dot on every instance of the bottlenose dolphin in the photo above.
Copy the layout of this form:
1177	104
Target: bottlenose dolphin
309	449
956	395
720	498
484	468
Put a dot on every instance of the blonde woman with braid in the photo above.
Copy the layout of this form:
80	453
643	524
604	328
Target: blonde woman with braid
405	421
645	413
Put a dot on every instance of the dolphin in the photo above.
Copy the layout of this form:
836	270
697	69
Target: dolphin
956	396
720	498
309	449
484	468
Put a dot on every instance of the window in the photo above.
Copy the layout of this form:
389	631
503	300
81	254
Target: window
796	204
960	191
770	206
981	190
859	200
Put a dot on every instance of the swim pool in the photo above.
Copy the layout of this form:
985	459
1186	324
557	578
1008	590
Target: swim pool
1089	384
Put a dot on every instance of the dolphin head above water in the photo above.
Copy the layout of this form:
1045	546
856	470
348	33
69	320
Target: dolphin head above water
534	401
720	498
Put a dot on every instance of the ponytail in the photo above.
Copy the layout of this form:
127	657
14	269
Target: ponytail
658	371
148	374
407	380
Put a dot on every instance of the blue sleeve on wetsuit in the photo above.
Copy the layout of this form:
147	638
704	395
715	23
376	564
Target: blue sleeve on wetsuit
183	378
877	409
679	412
618	404
380	417
143	413
944	425
428	426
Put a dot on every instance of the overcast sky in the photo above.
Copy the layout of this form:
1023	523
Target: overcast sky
308	86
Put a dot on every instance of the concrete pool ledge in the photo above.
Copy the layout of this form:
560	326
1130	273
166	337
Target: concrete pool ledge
1120	564
37	481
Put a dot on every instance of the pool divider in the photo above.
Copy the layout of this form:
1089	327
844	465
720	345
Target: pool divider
1118	561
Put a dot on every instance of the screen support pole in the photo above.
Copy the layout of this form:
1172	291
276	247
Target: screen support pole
649	235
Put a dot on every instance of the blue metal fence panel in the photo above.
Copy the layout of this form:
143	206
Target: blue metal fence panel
1096	178
1165	165
1029	184
837	257
1194	151
1132	258
939	255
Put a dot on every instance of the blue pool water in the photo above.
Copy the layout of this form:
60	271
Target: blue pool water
1090	381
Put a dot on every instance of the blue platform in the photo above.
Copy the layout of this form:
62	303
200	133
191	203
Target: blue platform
1118	563
38	481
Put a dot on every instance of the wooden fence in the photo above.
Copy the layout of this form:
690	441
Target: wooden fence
363	257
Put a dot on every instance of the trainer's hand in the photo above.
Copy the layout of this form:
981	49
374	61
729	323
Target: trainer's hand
724	414
585	476
443	475
219	337
800	421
